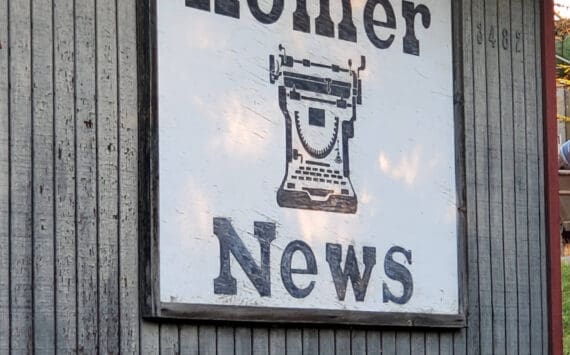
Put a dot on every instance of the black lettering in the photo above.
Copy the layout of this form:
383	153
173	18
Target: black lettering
411	43
301	20
271	17
286	269
398	272
227	8
340	277
199	4
369	22
260	277
346	28
323	23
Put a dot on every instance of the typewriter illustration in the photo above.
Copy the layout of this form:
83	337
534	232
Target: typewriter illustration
318	102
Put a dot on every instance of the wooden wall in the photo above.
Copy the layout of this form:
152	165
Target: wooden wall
68	194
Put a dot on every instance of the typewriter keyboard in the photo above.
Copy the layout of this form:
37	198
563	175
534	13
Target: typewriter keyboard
318	175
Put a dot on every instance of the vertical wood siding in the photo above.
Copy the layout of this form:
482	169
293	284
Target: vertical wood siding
65	193
43	176
4	184
68	194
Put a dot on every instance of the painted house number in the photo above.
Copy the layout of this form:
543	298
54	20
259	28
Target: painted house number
505	38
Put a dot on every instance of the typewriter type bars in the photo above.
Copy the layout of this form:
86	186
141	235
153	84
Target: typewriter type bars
318	102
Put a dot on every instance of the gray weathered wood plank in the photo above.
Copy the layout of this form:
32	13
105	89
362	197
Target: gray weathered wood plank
189	340
446	345
373	342
243	340
260	341
294	341
342	341
533	209
310	341
207	339
541	176
403	342
494	43
107	176
21	199
225	340
169	344
150	338
326	341
86	176
482	177
358	342
458	343
472	332
277	341
43	177
508	177
4	184
128	178
520	165
432	340
418	343
65	197
389	342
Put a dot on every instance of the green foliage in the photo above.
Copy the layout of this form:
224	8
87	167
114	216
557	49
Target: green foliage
562	46
562	49
566	306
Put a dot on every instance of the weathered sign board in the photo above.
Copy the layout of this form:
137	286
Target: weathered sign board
306	163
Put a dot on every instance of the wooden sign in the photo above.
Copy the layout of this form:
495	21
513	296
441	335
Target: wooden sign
302	162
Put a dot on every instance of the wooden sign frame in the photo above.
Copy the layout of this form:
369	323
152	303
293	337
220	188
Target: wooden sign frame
151	305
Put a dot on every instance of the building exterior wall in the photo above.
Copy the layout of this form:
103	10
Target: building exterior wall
68	194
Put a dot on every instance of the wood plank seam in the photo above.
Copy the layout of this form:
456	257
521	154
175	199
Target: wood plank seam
54	181
32	184
526	175
97	177
21	212
513	166
118	183
9	104
75	175
476	196
530	91
538	139
541	138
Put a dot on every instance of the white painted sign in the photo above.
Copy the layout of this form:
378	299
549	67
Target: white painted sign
306	155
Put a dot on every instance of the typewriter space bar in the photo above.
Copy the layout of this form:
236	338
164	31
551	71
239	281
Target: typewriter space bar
318	192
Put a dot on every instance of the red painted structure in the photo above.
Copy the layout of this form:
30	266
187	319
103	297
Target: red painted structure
551	176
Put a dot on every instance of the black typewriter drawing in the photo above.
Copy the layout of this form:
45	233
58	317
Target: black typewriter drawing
318	102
